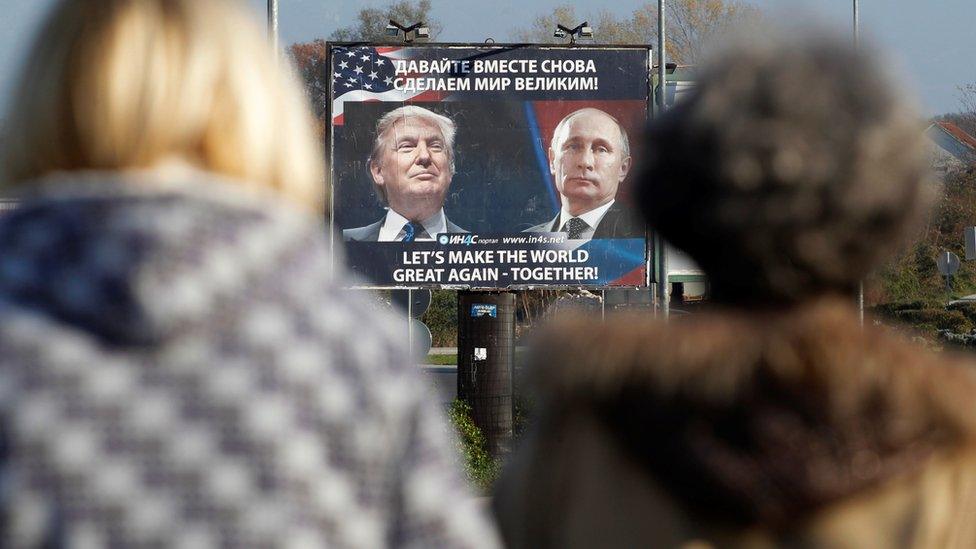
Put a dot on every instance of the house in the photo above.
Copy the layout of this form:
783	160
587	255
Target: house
953	148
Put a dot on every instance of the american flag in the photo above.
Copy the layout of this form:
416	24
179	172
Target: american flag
364	73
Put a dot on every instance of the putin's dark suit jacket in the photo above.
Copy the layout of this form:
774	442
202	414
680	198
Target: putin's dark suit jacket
618	222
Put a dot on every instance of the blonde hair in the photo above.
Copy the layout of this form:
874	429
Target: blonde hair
128	84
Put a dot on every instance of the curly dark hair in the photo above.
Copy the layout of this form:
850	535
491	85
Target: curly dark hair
790	171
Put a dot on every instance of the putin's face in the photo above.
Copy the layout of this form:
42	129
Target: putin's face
588	161
414	169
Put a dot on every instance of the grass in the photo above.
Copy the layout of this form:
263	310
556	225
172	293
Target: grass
442	360
452	360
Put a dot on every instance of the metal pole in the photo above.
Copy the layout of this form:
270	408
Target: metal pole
860	285
860	302
661	58
603	305
273	23
410	323
662	98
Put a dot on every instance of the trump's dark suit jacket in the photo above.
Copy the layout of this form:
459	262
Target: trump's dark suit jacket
371	232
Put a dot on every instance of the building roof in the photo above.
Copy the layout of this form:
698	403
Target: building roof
952	139
958	133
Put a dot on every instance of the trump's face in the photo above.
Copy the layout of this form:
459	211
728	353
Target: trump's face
414	169
588	161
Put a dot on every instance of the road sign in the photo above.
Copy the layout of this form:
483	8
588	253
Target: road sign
969	236
420	333
948	263
416	301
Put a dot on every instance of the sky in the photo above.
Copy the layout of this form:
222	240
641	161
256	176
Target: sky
931	44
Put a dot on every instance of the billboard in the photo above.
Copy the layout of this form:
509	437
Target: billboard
488	166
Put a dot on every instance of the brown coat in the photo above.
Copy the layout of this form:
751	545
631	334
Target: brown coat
744	429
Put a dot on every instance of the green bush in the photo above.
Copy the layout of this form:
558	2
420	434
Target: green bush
481	468
967	309
441	318
909	288
892	308
926	317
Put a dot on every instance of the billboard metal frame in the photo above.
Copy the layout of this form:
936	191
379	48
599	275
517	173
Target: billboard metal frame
650	253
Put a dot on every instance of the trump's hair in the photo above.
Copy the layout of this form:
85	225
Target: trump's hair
130	84
382	144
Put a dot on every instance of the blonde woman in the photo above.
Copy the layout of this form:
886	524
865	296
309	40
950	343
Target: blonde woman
178	364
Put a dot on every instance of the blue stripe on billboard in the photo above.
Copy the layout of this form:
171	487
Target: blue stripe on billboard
596	263
540	154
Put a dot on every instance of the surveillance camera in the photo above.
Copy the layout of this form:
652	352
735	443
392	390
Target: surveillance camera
560	33
392	30
586	32
423	32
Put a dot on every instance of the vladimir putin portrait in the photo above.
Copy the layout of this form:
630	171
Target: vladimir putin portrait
411	166
589	157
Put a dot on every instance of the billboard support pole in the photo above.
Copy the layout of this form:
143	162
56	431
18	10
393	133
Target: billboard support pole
603	305
486	360
410	322
662	98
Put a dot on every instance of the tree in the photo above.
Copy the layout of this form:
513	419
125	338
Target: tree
691	25
909	288
309	57
966	117
612	28
310	62
372	22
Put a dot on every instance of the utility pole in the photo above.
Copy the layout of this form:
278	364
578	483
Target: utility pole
860	285
273	23
662	99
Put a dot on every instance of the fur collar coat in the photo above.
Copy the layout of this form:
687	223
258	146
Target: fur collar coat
744	429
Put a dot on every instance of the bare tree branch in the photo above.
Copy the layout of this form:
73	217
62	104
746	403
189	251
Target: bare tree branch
692	24
372	21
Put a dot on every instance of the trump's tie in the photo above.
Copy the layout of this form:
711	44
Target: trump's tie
411	231
575	227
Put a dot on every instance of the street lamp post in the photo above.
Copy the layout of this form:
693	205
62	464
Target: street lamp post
581	31
417	30
860	285
273	23
662	84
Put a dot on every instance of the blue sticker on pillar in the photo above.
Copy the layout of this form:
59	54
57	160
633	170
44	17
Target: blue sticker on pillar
483	309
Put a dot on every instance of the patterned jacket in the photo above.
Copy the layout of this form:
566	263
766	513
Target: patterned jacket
179	366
